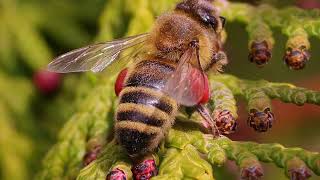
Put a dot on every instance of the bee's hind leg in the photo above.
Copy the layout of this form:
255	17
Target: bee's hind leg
218	122
121	169
117	174
145	168
208	122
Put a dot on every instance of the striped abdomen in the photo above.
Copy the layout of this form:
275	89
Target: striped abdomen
144	114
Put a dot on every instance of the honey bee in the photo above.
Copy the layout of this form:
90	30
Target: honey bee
169	71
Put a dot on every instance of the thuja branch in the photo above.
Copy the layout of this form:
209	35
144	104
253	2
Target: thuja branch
95	116
291	94
259	93
65	158
245	154
283	157
179	157
297	24
283	91
15	148
184	163
223	106
259	108
94	120
110	157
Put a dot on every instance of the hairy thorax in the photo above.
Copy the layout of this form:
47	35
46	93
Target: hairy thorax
173	32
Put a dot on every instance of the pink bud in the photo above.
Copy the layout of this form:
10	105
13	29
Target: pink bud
47	82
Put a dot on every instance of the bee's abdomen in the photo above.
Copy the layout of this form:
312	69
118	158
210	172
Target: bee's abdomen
144	113
141	113
145	96
137	138
150	74
137	116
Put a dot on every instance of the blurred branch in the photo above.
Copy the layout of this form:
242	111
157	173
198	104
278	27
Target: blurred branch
92	119
15	148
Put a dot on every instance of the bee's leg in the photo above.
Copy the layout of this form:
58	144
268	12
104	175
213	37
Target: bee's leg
120	170
221	57
91	155
208	121
145	168
117	174
219	60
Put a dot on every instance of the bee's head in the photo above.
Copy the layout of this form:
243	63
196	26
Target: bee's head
204	12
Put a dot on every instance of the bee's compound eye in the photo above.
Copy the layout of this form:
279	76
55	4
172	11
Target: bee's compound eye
120	81
213	22
208	19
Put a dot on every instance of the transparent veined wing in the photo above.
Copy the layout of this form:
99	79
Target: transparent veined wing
95	57
186	84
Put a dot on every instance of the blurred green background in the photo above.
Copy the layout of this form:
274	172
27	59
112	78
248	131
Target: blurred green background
32	32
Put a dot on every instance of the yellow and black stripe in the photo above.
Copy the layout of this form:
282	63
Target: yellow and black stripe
145	114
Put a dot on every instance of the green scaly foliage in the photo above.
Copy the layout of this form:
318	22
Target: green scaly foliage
186	153
178	157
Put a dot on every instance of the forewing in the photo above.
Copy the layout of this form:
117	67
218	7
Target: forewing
95	57
187	84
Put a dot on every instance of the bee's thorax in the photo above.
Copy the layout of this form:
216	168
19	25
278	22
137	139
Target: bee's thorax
173	33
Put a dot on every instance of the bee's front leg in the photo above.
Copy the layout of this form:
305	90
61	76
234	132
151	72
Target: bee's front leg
219	60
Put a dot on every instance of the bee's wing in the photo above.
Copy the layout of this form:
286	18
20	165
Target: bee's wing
95	57
187	83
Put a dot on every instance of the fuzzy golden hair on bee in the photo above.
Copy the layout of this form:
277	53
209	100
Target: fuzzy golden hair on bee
204	12
172	34
207	15
191	20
